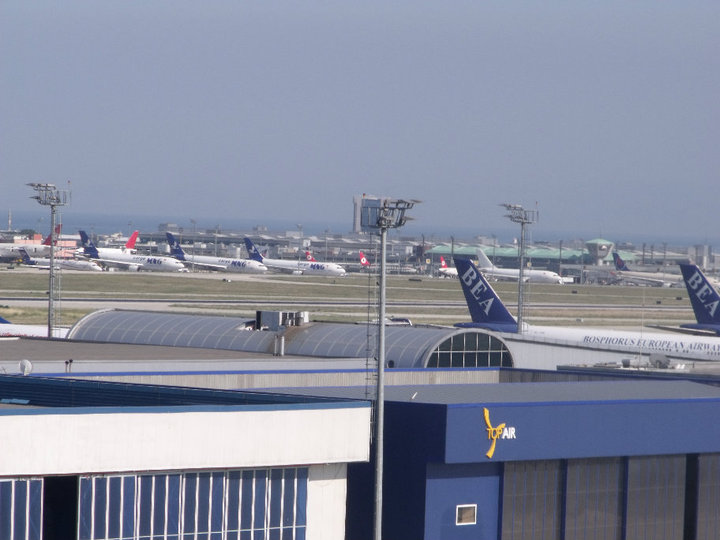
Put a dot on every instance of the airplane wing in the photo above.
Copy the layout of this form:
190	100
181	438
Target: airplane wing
283	267
205	265
690	330
637	277
113	263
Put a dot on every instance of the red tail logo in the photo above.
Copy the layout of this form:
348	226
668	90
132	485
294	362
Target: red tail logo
130	244
48	239
363	260
309	257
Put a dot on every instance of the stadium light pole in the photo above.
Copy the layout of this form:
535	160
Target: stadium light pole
50	195
381	215
517	214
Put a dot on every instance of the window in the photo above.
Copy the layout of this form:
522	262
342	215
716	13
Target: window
233	505
20	509
470	349
466	514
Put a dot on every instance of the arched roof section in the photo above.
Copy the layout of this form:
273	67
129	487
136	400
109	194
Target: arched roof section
171	329
405	347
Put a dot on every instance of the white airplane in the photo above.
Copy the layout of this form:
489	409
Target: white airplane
8	250
65	264
127	258
221	264
656	279
487	311
513	274
305	268
445	270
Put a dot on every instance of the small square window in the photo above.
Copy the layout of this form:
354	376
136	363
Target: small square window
466	514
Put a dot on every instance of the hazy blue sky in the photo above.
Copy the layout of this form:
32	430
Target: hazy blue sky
605	113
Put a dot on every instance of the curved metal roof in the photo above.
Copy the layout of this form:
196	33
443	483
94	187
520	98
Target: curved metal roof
171	329
405	347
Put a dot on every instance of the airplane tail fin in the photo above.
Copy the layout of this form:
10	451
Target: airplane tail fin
483	261
84	239
89	249
253	252
443	264
48	238
619	262
309	257
363	260
25	257
486	308
130	244
704	298
175	249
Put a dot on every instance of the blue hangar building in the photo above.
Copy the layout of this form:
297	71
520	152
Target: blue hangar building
622	459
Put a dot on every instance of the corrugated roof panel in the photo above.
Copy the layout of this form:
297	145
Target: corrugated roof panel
405	347
170	329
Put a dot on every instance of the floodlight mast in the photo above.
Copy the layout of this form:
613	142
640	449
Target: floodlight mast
382	214
50	195
517	214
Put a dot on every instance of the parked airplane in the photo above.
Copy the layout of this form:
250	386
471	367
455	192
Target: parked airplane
487	311
65	264
445	270
221	264
656	279
364	263
306	268
529	275
391	268
129	246
127	258
8	250
704	298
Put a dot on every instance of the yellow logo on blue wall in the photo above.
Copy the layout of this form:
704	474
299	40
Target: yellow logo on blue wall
501	431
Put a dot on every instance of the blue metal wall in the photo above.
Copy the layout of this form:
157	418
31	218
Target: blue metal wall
443	453
451	485
556	431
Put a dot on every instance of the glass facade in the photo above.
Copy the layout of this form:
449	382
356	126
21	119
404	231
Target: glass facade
470	349
656	497
21	509
639	498
268	504
532	500
708	501
594	501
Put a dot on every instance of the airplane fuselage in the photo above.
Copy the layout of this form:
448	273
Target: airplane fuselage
305	268
67	264
529	276
126	259
224	264
682	347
